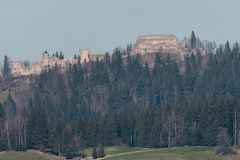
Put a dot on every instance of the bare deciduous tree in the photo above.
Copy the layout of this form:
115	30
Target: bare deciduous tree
224	142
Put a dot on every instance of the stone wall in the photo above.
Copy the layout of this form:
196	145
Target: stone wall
19	68
99	56
155	43
47	62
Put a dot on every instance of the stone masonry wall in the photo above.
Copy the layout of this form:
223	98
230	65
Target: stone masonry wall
18	68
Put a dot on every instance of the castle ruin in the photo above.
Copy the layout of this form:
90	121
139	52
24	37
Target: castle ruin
20	68
162	43
145	45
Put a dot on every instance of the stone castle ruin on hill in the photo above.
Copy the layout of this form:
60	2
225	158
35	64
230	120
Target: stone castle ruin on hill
155	43
145	45
19	68
162	43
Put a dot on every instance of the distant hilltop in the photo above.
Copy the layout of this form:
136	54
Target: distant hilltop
145	45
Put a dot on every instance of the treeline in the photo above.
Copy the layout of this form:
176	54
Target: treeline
119	101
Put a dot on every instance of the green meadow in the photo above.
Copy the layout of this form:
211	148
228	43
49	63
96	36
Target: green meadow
128	153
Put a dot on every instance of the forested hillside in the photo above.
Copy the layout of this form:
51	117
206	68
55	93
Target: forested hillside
111	102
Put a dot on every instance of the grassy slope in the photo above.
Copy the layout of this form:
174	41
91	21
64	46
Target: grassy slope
190	153
30	155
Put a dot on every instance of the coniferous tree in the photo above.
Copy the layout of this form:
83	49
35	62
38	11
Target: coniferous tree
101	152
37	129
61	56
2	112
94	153
227	49
154	138
11	106
6	67
129	48
193	41
2	117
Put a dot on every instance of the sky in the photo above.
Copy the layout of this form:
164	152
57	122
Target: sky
29	27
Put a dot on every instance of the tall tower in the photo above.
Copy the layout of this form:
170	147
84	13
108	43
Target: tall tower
85	55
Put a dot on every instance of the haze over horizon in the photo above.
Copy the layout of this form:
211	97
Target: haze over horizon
30	27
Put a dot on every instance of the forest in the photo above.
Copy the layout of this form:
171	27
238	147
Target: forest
122	102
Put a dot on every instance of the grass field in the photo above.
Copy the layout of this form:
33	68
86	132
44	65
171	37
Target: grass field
116	150
30	155
127	153
188	153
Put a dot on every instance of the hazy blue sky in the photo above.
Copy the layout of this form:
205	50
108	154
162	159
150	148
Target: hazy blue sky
28	27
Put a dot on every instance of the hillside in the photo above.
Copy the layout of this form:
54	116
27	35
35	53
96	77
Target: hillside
29	155
119	101
16	86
